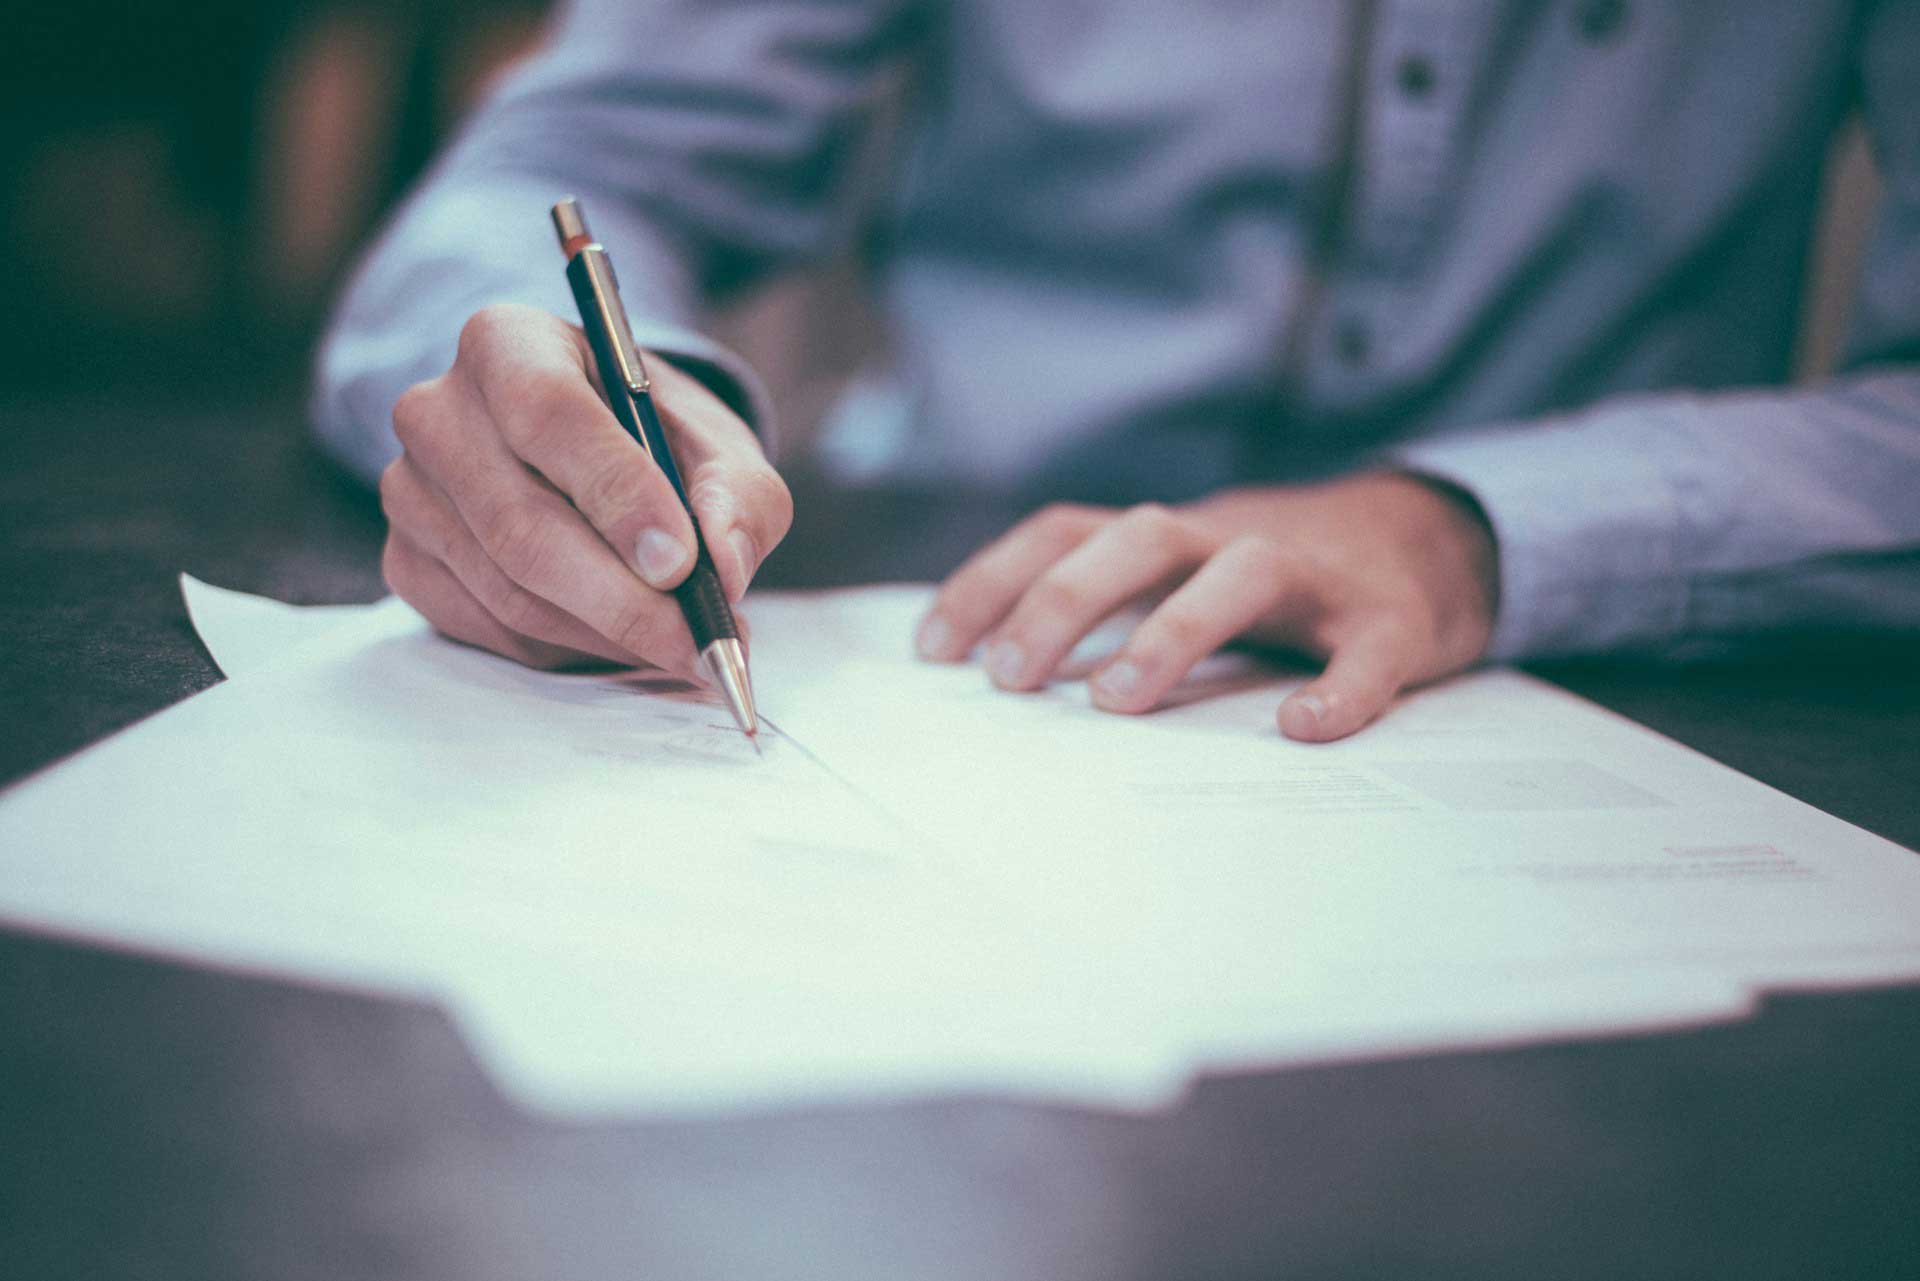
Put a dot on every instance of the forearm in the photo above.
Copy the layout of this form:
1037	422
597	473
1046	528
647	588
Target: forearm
705	142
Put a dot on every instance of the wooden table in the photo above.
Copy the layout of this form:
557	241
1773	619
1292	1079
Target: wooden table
159	1120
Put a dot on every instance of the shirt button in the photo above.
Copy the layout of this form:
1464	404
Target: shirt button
1601	20
1415	76
1352	342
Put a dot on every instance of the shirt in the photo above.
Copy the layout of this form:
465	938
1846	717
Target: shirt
1549	251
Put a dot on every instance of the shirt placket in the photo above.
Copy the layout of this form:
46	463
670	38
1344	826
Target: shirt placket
1420	66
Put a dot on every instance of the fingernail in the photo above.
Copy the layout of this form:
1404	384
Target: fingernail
934	638
659	556
1306	711
1118	682
742	543
1005	663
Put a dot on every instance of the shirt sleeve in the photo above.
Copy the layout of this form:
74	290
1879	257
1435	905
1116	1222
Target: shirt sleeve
1646	522
708	141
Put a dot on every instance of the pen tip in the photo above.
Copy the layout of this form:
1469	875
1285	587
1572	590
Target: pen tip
728	667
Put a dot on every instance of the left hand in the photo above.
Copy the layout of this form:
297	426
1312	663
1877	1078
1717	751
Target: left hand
1390	579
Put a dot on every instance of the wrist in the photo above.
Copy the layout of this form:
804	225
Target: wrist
1453	542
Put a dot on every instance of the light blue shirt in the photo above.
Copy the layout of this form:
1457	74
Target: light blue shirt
1550	251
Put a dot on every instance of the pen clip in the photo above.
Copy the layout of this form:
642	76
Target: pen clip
613	319
578	243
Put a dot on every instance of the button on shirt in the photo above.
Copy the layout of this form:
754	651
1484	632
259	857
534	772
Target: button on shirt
1549	252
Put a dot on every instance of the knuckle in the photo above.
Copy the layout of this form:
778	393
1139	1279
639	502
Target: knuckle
539	407
615	492
767	496
517	609
1257	557
1056	596
708	491
485	329
414	413
1060	521
1178	632
516	538
1402	632
1153	524
636	627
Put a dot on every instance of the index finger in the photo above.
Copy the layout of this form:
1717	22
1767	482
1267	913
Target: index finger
976	596
1247	580
743	506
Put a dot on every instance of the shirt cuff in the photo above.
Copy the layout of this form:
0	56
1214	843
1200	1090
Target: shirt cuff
354	418
400	323
1587	536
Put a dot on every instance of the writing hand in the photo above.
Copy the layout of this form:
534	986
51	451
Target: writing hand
522	518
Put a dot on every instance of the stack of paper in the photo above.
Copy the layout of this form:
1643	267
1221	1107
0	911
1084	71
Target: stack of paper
926	885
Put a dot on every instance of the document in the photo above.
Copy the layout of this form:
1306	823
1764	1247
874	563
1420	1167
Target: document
244	632
923	885
1491	826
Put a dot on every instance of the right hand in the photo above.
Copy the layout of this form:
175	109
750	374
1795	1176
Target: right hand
523	519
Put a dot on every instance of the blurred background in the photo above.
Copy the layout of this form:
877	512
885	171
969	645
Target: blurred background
223	162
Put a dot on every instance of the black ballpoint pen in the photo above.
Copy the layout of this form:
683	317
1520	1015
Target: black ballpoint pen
630	394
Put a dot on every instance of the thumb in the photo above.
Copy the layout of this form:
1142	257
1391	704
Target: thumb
1362	675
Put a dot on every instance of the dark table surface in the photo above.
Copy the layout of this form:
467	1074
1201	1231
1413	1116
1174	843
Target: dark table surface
158	1120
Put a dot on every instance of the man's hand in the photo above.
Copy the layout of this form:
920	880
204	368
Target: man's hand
1390	579
523	518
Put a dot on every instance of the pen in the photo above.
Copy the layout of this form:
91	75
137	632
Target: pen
630	394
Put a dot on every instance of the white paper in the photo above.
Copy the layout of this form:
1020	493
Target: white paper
244	632
925	885
1492	831
626	903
